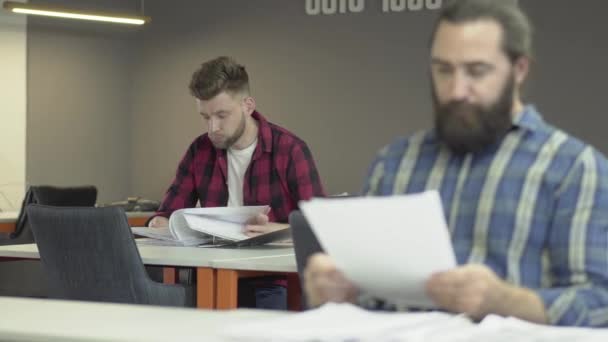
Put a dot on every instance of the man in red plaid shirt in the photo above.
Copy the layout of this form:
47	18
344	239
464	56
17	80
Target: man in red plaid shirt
242	160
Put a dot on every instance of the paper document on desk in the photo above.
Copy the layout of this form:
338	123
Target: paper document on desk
500	329
163	237
388	246
198	226
345	322
220	222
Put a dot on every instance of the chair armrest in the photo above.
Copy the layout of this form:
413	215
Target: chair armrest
173	295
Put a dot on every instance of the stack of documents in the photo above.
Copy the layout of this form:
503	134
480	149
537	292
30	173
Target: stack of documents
388	246
198	226
346	322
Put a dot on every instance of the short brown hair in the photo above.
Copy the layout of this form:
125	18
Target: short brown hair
517	30
219	75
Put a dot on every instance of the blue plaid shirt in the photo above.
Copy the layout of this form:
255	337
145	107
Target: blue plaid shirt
533	208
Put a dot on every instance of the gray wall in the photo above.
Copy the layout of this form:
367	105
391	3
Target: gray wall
568	82
347	84
79	93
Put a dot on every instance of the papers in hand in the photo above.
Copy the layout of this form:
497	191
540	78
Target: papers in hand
388	246
197	226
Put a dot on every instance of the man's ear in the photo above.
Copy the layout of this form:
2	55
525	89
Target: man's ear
521	68
248	105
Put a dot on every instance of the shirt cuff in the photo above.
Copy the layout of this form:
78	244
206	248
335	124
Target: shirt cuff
566	306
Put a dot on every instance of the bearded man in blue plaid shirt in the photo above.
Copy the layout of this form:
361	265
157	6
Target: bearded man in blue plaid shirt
527	204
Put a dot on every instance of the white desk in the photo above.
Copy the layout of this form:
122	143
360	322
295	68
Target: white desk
214	288
11	216
8	219
8	216
59	320
173	255
276	263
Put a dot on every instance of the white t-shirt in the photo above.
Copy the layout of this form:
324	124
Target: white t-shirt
238	162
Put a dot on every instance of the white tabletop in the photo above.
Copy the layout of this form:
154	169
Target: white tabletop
275	263
8	216
11	216
139	214
59	320
173	255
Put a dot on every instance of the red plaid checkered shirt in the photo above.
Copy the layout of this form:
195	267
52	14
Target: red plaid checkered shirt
281	173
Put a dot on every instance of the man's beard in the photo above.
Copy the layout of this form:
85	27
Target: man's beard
226	144
467	128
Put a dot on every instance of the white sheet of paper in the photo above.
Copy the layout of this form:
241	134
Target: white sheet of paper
229	214
497	328
223	222
157	242
164	235
388	246
340	322
219	228
346	322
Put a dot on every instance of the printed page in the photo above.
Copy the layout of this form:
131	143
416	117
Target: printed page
342	322
388	246
164	235
155	233
346	322
219	228
497	328
229	214
222	222
178	226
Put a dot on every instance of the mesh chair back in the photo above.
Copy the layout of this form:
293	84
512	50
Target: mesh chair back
90	254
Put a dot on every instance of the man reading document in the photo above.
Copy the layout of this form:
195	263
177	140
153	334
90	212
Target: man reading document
242	159
526	203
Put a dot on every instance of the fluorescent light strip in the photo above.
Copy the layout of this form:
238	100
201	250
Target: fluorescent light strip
80	16
25	8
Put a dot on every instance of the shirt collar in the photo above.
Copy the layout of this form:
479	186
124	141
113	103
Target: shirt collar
264	132
529	119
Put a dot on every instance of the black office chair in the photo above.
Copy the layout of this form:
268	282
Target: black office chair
90	254
25	277
305	244
82	196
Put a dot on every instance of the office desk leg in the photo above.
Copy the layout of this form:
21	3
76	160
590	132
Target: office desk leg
205	288
137	221
227	289
170	275
7	227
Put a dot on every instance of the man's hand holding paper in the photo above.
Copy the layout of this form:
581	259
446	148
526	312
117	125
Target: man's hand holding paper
387	246
260	224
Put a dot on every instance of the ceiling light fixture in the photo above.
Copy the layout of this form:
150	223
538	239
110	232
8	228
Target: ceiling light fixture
18	7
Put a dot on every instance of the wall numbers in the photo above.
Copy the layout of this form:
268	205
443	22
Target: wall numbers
410	5
331	7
